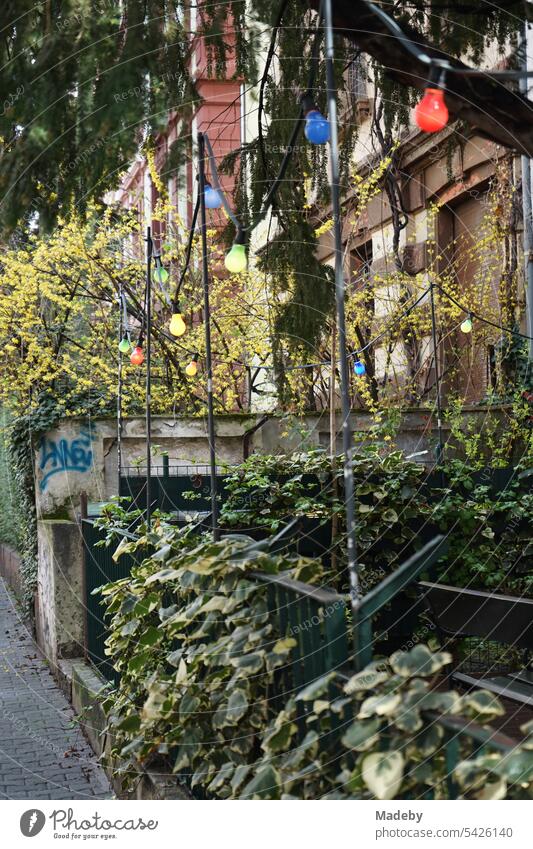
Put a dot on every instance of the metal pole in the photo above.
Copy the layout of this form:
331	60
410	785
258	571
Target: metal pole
119	383
341	320
527	206
83	515
333	398
527	212
149	249
440	447
333	442
207	326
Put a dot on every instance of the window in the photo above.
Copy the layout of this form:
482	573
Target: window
357	85
357	79
360	264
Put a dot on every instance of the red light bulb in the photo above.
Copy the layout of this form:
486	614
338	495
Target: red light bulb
431	114
137	356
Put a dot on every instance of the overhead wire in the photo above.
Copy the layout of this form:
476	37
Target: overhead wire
476	315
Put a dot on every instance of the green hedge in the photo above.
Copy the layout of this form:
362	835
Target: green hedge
9	505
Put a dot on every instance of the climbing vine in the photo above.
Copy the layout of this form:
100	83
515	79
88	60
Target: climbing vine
198	652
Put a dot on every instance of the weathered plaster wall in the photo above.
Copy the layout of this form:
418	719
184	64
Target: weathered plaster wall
69	460
59	609
80	457
76	458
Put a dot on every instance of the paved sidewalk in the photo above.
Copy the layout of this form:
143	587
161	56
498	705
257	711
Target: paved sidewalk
41	757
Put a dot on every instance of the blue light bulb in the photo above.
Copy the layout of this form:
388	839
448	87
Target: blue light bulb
359	367
212	197
316	127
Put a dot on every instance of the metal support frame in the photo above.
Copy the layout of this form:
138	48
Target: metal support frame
148	306
349	494
440	446
528	247
527	205
119	381
207	327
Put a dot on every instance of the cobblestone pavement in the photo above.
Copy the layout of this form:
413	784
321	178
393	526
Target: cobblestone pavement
41	756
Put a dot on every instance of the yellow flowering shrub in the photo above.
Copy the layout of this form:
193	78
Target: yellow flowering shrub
59	320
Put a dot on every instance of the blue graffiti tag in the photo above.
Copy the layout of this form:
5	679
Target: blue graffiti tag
65	455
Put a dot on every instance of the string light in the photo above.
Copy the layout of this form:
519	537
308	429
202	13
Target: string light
137	356
483	320
192	369
359	368
212	197
466	325
124	346
317	129
177	324
160	272
235	260
431	114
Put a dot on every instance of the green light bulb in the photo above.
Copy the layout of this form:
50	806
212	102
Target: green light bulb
236	259
161	274
124	346
466	326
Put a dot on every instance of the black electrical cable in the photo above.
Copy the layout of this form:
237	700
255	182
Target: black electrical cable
358	351
175	300
268	62
393	324
434	64
216	180
315	52
480	318
320	363
434	61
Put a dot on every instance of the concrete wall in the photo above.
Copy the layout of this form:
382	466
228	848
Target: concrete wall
59	609
80	457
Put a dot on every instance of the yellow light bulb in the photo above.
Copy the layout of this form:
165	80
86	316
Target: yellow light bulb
466	326
236	259
177	325
191	369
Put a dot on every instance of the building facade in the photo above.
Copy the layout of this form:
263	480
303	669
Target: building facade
446	214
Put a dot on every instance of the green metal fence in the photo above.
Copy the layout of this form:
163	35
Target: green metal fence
100	568
314	617
188	487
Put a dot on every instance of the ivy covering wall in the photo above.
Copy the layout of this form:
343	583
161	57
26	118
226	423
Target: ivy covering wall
9	503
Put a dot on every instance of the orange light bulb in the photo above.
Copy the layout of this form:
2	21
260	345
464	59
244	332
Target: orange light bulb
431	114
137	356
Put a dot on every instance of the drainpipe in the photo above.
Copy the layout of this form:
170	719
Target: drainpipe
527	207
